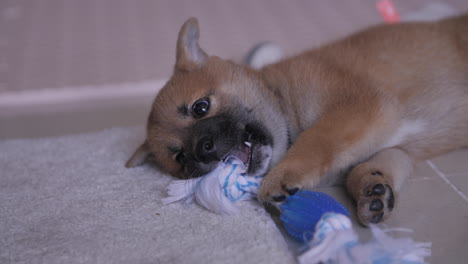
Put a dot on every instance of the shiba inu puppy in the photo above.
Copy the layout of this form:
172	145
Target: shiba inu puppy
369	106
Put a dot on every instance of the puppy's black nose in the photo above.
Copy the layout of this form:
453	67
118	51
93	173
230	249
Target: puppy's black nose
206	150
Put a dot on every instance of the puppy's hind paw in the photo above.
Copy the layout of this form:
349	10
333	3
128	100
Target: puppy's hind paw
376	201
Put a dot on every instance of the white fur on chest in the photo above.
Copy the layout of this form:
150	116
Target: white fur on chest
406	130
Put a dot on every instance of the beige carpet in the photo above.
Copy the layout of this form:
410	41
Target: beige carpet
71	200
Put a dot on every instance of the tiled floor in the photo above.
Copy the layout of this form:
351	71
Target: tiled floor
64	49
434	204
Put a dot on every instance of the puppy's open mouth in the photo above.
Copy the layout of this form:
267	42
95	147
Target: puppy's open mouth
254	150
243	153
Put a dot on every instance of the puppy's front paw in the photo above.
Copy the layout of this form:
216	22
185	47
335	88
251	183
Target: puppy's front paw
281	182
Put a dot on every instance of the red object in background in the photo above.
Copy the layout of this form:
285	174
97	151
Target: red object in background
388	11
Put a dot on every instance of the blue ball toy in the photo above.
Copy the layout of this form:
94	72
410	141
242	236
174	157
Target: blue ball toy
301	212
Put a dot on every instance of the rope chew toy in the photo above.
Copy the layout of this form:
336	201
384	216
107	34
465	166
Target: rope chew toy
324	225
217	191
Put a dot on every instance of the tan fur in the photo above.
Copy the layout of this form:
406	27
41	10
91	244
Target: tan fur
379	100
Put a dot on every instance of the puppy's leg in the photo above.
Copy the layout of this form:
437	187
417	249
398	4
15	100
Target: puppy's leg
342	137
374	184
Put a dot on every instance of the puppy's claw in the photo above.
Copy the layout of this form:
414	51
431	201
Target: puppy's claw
279	198
283	181
292	191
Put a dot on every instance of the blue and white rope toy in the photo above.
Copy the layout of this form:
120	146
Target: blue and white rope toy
324	225
217	191
314	218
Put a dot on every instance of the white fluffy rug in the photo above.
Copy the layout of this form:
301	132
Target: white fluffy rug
70	200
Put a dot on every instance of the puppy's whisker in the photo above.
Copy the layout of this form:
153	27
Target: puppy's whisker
196	174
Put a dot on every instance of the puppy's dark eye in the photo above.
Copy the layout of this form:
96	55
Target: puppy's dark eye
200	108
181	158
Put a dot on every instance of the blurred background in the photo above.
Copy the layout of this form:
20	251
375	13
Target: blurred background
70	66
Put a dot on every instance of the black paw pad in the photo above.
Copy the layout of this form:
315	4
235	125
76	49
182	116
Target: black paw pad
376	205
279	198
292	191
391	198
378	189
377	218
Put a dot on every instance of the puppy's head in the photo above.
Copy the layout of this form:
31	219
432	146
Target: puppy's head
209	110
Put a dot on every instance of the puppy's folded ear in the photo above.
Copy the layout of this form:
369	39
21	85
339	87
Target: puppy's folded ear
139	157
189	54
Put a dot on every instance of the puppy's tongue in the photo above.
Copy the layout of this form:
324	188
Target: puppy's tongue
242	153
